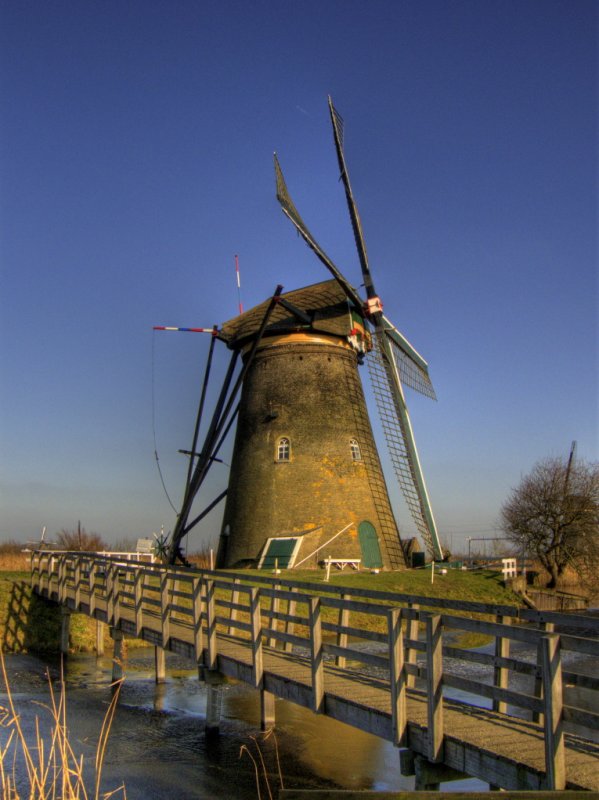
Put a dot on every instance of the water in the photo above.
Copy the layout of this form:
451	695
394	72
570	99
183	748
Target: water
158	747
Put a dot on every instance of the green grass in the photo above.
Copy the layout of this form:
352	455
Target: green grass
480	587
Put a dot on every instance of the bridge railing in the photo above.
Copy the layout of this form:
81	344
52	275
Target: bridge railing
408	644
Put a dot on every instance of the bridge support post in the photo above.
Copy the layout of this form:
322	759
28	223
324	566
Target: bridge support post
214	702
267	710
429	775
160	664
65	620
119	651
99	638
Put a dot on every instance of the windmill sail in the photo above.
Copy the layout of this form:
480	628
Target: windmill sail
291	212
395	359
413	369
337	121
397	428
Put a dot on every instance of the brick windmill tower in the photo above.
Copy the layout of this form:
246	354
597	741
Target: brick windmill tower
306	479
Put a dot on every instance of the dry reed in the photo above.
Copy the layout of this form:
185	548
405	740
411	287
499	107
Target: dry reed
48	767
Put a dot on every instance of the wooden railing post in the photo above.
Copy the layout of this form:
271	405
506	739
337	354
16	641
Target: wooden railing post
316	654
116	593
500	673
290	626
434	687
343	622
397	676
551	666
274	621
548	627
77	582
138	589
62	579
165	608
198	638
256	624
91	587
109	589
234	600
211	624
412	633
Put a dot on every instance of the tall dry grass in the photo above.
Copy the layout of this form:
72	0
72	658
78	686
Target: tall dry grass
52	770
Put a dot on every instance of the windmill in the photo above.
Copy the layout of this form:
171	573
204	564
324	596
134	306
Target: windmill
304	460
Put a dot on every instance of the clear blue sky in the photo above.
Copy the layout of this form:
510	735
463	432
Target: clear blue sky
136	160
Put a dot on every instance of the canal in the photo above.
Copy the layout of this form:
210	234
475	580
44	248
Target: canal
158	748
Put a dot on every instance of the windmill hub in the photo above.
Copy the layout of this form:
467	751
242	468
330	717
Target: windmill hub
373	306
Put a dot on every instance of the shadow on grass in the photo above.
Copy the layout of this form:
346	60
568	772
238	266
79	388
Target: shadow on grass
31	623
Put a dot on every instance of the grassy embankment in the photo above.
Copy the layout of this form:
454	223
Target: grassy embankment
30	624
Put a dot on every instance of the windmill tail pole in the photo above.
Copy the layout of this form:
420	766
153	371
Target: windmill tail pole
219	420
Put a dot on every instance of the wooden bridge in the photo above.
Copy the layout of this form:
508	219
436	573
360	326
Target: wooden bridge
308	643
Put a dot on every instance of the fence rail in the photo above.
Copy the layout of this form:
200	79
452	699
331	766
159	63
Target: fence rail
408	646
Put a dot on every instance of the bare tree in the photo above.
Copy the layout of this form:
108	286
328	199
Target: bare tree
553	515
80	539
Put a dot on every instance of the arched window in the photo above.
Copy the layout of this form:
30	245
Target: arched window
283	449
355	450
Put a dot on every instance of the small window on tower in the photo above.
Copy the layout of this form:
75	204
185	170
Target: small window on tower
283	449
355	450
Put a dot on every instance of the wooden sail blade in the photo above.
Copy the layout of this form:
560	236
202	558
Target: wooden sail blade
337	122
397	427
291	212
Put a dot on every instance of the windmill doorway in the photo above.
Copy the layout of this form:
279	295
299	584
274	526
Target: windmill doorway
369	545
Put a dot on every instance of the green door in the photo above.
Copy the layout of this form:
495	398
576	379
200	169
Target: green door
279	553
369	544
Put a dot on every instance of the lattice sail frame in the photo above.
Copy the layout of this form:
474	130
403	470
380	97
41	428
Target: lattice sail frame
397	430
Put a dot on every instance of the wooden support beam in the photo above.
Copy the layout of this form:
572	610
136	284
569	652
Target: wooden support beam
99	638
118	657
65	620
434	687
214	702
397	677
316	655
160	664
267	710
555	761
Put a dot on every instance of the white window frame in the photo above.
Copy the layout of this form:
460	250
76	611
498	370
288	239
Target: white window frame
356	452
283	453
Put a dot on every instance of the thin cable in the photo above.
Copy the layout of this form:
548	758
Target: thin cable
154	426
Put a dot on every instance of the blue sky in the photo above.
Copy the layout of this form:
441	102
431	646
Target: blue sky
136	160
